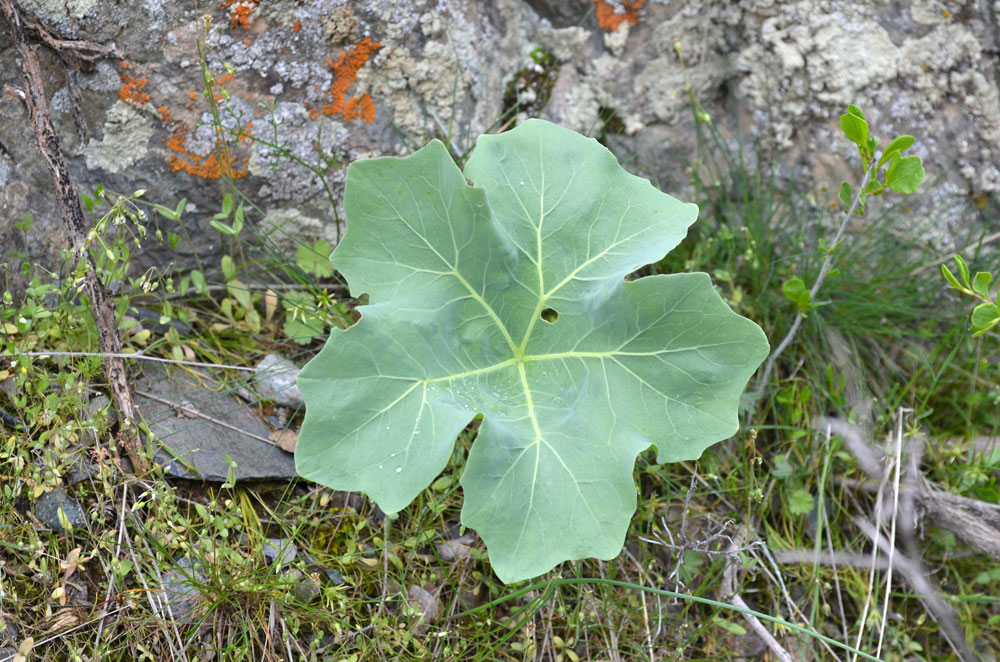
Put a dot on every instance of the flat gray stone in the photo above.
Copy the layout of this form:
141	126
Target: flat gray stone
180	588
275	381
280	551
335	577
177	409
47	510
305	587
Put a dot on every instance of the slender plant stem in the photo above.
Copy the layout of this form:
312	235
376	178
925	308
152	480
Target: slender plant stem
139	357
824	269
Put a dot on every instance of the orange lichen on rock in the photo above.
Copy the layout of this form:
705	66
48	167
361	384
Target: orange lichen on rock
363	108
165	115
610	19
209	167
296	26
134	90
240	11
345	72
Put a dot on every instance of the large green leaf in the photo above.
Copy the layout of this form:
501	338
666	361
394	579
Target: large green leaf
509	299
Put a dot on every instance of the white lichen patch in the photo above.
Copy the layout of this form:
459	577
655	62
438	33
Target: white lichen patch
57	11
126	134
6	169
931	11
615	40
80	8
287	227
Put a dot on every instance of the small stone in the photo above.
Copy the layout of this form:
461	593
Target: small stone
280	551
78	593
181	590
47	510
335	577
456	549
99	416
98	404
275	381
82	469
305	587
425	604
150	319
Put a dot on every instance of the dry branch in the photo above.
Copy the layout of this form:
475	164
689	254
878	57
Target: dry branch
72	211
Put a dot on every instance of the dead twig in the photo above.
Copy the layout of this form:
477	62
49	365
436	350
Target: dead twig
914	575
76	49
72	213
729	589
138	356
975	523
188	409
908	494
15	92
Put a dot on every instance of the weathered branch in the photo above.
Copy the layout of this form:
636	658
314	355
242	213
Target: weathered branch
75	49
72	213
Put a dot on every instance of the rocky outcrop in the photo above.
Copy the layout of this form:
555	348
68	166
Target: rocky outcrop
301	87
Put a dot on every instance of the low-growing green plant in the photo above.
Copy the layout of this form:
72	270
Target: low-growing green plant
986	315
892	171
508	300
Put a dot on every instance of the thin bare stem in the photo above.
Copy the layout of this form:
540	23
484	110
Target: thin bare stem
823	270
892	529
138	357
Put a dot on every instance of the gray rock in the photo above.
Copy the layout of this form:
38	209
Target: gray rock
150	319
78	593
180	589
786	69
335	577
7	653
456	549
82	469
47	510
305	587
425	604
9	387
177	409
562	13
9	632
280	551
275	381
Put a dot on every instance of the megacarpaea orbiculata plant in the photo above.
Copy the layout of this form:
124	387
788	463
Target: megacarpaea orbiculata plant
508	298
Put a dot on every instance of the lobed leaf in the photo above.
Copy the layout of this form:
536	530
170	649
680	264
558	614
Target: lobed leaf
508	299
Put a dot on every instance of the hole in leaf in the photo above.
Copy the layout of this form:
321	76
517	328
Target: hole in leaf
550	315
